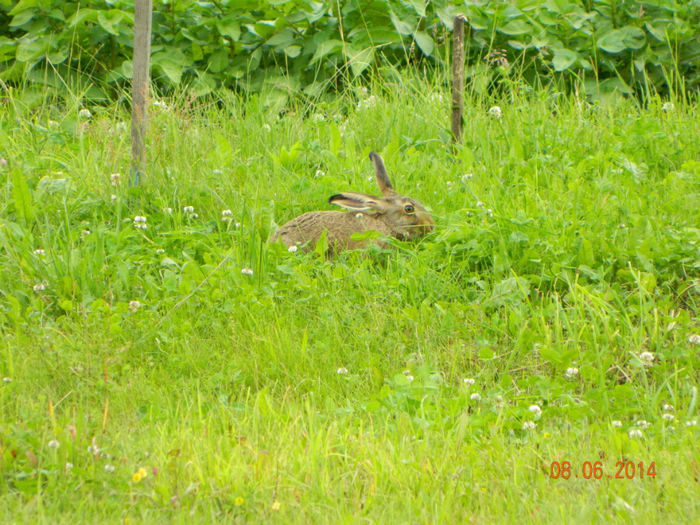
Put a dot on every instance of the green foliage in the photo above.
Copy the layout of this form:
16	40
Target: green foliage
159	361
305	47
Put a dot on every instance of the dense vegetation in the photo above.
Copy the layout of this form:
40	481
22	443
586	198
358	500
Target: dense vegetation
161	361
304	47
535	359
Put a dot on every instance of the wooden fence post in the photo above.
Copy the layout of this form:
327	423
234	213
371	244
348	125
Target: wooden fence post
457	78
143	12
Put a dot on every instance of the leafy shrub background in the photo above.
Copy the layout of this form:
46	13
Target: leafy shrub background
306	47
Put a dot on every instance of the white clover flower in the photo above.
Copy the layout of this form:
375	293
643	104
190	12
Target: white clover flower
529	425
535	409
53	443
409	378
266	127
475	397
115	178
643	424
293	248
571	372
635	433
367	103
691	423
84	113
480	204
140	222
40	287
320	173
7	380
495	112
342	371
467	176
113	197
109	468
93	449
694	339
617	423
247	271
39	252
134	305
667	417
668	408
226	215
188	209
647	358
237	225
668	107
469	381
160	104
168	210
69	466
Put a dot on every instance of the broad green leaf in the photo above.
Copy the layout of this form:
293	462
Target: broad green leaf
23	5
22	18
425	42
218	61
172	62
281	39
230	28
402	26
515	27
360	60
81	16
563	59
418	6
293	51
619	40
30	49
326	48
22	196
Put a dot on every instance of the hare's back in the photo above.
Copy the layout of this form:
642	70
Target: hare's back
309	227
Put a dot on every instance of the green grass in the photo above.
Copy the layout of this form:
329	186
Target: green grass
567	237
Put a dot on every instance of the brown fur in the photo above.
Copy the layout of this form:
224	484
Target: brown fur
393	215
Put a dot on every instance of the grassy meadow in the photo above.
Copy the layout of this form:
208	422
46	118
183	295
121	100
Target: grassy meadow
535	359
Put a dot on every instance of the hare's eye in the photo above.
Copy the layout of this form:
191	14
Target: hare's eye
409	208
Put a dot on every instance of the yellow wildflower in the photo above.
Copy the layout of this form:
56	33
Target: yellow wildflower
139	475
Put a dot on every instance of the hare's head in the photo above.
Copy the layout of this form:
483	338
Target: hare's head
406	217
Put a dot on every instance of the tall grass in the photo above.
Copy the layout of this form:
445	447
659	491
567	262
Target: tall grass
148	378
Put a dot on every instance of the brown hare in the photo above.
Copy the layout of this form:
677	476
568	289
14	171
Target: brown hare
392	215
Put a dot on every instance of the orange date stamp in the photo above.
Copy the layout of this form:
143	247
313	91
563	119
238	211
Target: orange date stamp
595	470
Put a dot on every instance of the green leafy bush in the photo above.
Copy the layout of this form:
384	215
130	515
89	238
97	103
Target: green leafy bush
307	47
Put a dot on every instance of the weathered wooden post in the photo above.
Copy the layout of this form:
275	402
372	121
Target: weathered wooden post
143	11
457	78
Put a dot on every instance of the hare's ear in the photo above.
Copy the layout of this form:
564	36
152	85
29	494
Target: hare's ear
382	176
359	202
